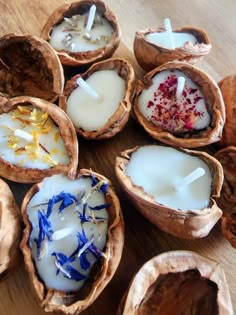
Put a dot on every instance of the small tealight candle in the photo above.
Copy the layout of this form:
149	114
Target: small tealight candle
69	229
169	39
29	138
175	179
174	105
91	113
81	33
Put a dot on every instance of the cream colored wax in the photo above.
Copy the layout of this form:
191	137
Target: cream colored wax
162	39
72	35
29	138
66	225
92	114
160	104
159	169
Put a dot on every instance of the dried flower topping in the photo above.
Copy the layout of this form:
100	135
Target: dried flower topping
84	229
183	114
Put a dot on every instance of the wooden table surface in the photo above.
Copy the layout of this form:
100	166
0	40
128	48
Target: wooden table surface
142	239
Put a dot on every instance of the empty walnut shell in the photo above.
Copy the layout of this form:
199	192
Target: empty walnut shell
120	117
10	231
214	104
29	66
187	224
80	7
150	55
228	90
178	282
227	200
75	302
16	172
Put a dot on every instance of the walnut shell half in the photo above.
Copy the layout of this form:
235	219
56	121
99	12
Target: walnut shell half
10	231
29	66
228	89
150	55
75	302
80	7
178	282
214	103
227	200
187	224
14	171
119	119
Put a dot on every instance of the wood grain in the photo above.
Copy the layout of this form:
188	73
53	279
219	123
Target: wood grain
142	239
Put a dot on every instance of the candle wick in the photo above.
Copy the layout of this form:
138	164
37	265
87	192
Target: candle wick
23	134
91	17
60	234
88	89
189	179
180	87
168	29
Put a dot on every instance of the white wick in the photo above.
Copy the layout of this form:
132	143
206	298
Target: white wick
190	178
169	32
23	134
60	234
88	89
91	17
180	87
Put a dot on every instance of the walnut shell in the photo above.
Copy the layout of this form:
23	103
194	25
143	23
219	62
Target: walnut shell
29	66
74	303
67	132
227	200
178	282
228	89
10	231
214	102
150	55
188	224
87	57
119	119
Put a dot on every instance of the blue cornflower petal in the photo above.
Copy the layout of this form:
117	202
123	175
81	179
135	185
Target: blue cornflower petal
74	274
45	230
103	187
100	207
66	200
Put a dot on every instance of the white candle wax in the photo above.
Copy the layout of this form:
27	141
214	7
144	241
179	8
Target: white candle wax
162	39
89	114
72	34
158	169
160	104
66	225
30	139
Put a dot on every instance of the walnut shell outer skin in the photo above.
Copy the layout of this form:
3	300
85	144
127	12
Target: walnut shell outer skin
150	55
119	119
53	62
228	89
183	224
173	262
227	200
67	131
88	57
52	300
213	96
10	231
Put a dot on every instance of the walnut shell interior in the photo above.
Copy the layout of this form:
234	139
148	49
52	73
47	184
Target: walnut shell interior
20	174
188	224
80	7
29	66
10	231
119	119
150	55
214	103
227	200
228	89
178	282
75	302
